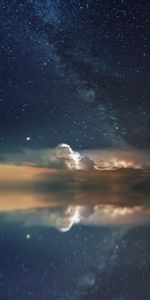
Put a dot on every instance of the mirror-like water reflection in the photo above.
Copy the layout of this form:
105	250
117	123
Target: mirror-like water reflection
74	235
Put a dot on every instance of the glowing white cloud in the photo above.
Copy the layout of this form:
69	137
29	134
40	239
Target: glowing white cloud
64	157
73	217
61	157
64	218
115	159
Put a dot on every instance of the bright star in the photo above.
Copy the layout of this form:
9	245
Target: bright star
28	236
28	138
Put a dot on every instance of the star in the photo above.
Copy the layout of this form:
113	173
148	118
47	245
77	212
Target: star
28	236
28	138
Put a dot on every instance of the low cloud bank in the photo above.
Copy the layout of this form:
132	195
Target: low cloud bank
61	187
64	157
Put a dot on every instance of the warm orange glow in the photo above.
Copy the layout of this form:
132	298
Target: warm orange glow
67	197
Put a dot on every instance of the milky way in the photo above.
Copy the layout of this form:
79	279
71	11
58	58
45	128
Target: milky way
78	71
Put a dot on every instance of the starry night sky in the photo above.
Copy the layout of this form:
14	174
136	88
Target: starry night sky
74	220
74	72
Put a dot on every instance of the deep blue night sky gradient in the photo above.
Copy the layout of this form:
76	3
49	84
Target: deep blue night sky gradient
74	71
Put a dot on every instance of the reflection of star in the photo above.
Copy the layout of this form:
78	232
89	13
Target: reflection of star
28	236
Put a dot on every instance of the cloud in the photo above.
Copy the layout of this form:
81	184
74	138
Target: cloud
63	218
61	187
64	157
62	198
61	157
116	158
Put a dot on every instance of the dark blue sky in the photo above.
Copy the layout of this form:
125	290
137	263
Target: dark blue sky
74	72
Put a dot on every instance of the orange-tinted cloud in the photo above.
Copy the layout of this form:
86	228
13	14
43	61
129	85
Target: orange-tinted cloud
59	187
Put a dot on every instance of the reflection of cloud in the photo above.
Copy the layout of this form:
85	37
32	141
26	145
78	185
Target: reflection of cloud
108	214
63	218
72	216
